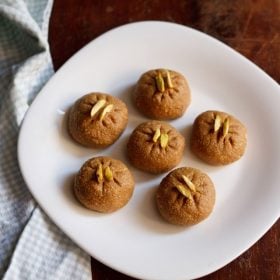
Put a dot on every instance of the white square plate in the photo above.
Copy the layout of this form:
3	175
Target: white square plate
135	240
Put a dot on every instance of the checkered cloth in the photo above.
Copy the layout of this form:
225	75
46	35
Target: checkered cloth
31	246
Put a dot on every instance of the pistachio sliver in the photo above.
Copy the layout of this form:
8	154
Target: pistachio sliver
184	191
97	106
160	82
225	127
156	135
99	173
168	80
106	110
164	140
217	123
108	174
189	183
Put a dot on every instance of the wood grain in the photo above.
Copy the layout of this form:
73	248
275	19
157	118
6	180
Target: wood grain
251	27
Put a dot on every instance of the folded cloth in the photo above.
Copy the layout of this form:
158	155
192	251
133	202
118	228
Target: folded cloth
31	246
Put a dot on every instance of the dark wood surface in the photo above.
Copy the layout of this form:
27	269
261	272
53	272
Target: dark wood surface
252	27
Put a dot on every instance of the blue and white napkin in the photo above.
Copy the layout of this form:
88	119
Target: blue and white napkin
31	246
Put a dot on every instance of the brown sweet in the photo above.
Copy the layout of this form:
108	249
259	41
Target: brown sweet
97	120
155	147
218	138
104	184
186	196
162	94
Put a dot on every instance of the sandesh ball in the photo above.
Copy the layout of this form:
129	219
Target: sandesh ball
162	94
218	138
96	120
104	184
155	147
186	196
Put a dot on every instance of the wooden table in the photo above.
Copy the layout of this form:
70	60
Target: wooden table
250	27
